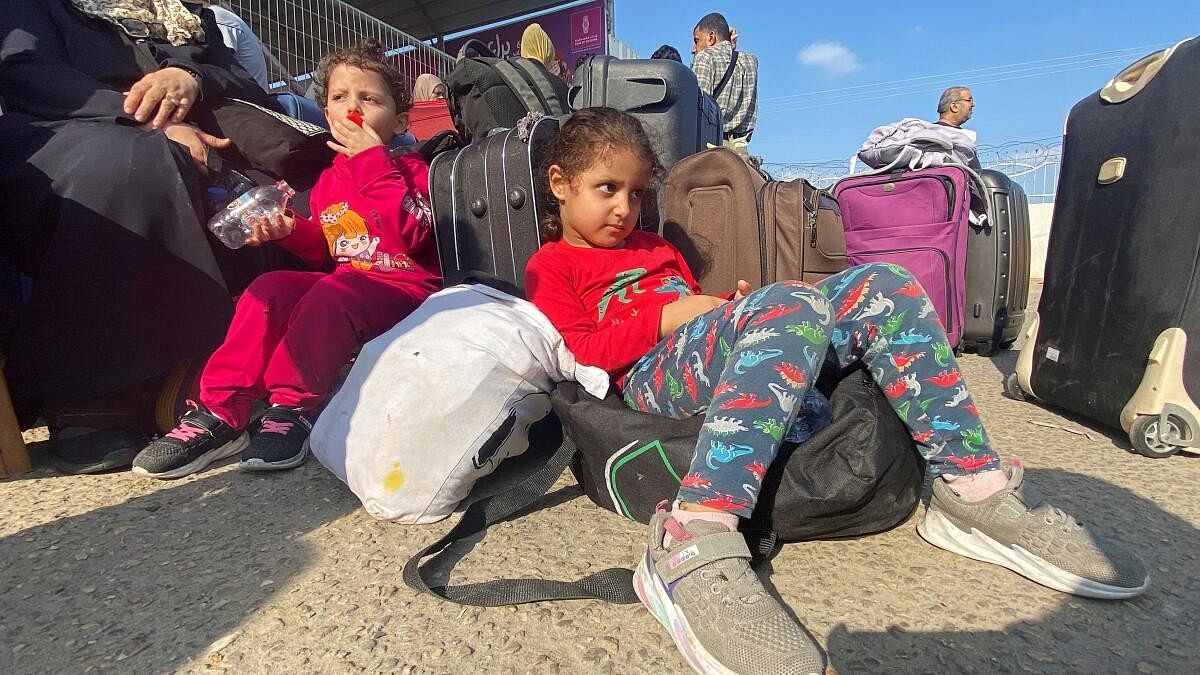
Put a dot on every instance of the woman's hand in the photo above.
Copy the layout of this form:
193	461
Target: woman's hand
270	228
684	310
162	97
743	289
197	143
351	138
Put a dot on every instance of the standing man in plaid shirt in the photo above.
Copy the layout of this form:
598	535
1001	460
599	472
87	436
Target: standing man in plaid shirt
729	75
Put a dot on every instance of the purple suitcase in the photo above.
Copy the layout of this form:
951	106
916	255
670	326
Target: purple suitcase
918	220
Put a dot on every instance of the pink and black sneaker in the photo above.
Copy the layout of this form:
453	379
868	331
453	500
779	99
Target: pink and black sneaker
279	442
199	439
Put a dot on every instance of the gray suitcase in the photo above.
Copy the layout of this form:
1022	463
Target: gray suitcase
486	207
997	279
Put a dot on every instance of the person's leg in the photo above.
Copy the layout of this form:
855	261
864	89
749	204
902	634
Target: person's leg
231	382
332	321
883	319
233	377
976	509
746	367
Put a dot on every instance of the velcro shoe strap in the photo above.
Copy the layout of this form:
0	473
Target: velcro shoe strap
701	551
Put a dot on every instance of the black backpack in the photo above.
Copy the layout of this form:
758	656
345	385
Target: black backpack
485	93
858	476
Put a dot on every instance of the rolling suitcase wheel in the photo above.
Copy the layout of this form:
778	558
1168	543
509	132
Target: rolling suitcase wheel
1160	416
1147	440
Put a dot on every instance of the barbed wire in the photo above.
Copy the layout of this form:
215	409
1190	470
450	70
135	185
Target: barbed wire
1031	163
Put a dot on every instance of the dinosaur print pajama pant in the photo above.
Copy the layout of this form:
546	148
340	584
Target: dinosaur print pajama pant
747	365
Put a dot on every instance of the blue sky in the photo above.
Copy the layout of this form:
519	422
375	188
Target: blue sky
1029	62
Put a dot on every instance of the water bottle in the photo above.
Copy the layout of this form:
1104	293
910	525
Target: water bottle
232	225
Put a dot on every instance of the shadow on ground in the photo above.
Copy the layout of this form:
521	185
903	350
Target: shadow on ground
1153	633
150	583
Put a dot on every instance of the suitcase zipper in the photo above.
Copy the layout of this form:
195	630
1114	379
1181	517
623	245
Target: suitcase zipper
811	211
947	185
760	199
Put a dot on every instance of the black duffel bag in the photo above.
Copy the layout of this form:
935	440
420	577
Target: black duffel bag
858	476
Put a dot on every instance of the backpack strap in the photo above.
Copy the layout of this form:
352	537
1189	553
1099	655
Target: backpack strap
530	84
728	74
612	585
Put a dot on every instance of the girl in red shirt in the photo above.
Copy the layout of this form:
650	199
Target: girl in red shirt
625	300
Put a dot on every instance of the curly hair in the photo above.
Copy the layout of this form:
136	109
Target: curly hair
588	136
367	55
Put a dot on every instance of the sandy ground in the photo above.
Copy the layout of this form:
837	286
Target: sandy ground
224	571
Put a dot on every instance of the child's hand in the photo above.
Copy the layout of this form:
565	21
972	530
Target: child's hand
350	138
684	310
269	229
743	289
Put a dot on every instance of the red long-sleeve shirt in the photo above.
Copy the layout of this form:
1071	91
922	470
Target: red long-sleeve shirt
371	214
607	302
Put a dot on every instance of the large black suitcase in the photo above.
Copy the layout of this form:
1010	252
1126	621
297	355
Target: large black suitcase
664	96
486	207
1122	265
997	289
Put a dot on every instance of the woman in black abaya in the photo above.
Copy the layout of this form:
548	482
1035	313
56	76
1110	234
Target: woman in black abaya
100	181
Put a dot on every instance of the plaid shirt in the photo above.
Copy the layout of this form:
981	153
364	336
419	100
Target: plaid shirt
739	98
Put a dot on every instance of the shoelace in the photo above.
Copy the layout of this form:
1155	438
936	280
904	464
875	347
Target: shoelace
274	427
186	432
719	581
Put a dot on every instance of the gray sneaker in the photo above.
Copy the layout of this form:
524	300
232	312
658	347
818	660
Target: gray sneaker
715	607
1017	529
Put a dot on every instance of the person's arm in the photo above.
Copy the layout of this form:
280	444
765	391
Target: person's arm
239	37
613	348
306	241
36	76
214	66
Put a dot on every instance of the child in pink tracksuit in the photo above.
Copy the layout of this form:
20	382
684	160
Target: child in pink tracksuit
293	332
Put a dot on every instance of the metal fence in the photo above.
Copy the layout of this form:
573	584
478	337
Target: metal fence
296	33
1032	164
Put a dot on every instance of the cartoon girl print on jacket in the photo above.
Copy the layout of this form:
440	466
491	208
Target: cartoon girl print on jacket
346	232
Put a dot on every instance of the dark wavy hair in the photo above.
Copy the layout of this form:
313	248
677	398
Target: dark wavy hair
368	55
588	136
667	52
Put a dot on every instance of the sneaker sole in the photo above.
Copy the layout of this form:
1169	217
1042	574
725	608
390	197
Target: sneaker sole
939	531
256	464
654	596
221	452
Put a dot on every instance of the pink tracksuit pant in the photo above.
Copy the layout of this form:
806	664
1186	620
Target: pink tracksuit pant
293	333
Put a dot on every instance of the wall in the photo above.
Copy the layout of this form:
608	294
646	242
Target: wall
1039	236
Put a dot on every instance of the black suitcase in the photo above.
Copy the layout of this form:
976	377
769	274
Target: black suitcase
486	207
664	96
1122	264
997	289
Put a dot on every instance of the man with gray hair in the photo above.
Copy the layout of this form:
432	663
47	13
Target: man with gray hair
954	108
